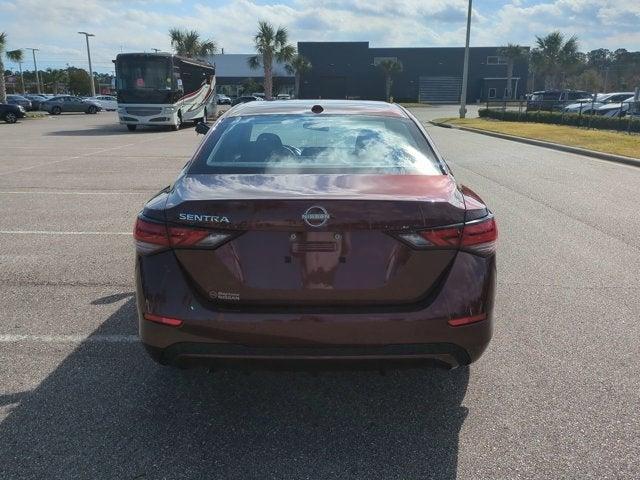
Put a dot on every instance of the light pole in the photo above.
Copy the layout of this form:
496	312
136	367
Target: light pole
93	87
21	77
465	68
35	66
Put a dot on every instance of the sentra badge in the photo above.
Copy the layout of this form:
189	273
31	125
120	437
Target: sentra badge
195	217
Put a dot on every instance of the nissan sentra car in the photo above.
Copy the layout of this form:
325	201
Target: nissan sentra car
318	231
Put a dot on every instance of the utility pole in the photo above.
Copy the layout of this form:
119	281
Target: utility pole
465	68
21	77
35	66
91	81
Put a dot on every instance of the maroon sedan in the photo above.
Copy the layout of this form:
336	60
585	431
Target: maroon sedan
316	230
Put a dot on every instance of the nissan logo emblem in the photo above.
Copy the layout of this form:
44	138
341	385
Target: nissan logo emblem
315	216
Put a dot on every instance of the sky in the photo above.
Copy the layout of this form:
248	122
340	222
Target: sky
141	25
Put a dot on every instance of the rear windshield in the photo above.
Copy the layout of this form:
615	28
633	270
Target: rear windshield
316	144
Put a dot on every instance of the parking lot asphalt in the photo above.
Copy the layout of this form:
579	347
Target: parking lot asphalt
555	396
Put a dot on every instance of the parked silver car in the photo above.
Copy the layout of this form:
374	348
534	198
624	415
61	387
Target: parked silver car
70	103
618	109
587	105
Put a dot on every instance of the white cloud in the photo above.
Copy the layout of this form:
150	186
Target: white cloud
139	25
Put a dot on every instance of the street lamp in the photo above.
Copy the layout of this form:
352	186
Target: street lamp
465	68
93	87
35	66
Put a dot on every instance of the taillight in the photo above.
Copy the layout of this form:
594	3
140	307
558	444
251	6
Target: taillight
478	236
150	236
153	236
441	237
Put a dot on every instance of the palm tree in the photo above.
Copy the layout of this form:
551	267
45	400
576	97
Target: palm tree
189	44
554	56
298	66
3	87
512	53
271	44
389	67
17	56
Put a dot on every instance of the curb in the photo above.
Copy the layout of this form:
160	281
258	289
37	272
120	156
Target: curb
554	146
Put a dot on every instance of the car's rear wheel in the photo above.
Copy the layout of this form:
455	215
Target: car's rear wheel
91	110
131	128
56	111
10	117
176	127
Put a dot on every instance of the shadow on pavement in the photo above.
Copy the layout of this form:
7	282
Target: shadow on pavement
112	298
108	412
104	131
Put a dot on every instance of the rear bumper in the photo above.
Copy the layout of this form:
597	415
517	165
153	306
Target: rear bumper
207	334
188	353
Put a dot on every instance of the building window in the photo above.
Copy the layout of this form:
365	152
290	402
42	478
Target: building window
496	60
492	93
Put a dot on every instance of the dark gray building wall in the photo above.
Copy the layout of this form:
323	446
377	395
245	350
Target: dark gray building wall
347	70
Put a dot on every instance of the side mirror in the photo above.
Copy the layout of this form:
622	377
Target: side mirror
202	128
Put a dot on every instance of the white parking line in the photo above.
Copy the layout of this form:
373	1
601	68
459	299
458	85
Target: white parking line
49	232
16	338
44	192
88	154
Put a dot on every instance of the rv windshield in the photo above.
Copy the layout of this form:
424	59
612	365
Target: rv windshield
144	79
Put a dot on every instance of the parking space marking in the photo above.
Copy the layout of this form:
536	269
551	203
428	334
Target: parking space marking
49	232
75	157
53	192
17	338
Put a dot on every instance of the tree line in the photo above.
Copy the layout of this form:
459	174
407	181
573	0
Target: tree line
555	61
271	45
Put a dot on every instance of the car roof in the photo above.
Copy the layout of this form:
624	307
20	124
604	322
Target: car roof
298	107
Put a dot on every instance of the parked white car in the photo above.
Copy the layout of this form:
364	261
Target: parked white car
618	109
107	102
587	105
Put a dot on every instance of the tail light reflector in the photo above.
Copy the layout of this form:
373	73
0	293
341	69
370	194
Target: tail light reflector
153	236
478	236
458	322
172	322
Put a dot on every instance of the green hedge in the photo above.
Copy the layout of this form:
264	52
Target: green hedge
557	118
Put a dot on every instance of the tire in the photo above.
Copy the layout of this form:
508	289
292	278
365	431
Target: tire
92	110
131	128
56	111
202	119
175	128
10	117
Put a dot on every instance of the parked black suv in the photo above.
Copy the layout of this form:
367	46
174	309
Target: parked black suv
551	100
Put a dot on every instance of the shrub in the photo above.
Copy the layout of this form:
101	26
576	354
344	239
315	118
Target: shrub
557	118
